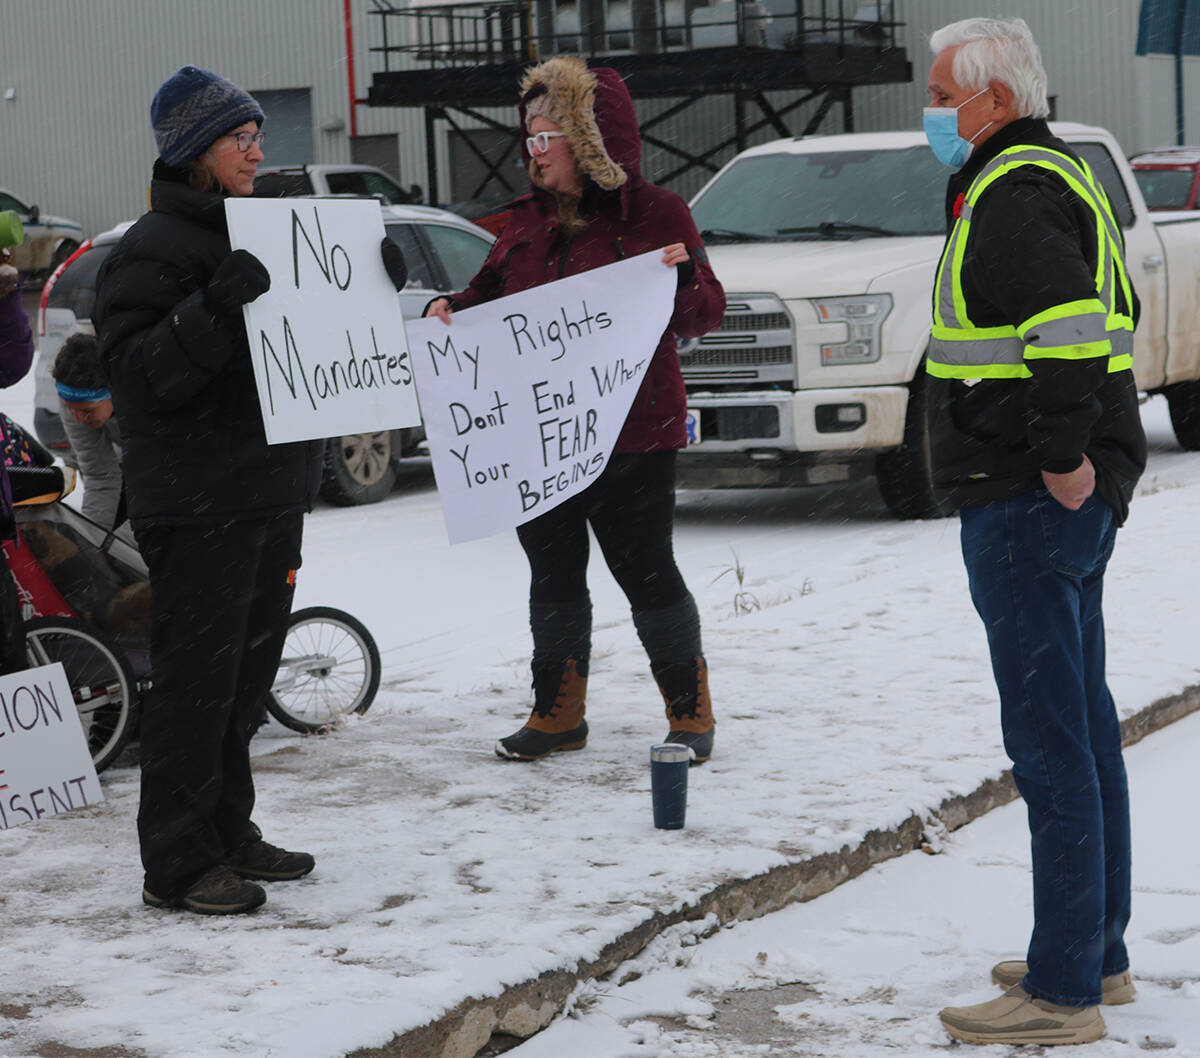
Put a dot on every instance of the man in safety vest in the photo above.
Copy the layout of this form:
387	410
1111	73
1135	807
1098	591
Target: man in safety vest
1036	436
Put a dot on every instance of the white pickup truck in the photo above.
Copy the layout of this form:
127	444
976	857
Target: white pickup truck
826	247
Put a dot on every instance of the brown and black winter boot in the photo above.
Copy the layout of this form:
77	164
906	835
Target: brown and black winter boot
556	722
684	686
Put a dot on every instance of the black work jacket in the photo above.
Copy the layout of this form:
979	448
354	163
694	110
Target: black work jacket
1032	247
194	451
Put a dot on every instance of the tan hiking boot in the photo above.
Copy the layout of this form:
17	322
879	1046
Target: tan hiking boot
1116	988
684	687
556	722
1017	1017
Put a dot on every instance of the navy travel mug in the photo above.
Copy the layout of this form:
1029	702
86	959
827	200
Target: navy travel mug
668	784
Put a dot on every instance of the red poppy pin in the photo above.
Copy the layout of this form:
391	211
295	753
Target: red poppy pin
958	205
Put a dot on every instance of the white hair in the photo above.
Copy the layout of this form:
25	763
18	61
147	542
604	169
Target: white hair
997	49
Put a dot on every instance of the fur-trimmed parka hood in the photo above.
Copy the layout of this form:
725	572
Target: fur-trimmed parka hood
597	116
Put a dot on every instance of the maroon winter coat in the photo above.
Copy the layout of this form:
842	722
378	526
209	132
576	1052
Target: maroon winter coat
636	218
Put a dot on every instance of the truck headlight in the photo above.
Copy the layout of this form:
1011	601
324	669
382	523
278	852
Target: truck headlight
863	315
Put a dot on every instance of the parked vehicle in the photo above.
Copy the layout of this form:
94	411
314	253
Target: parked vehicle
48	241
1169	177
443	252
490	212
288	181
826	247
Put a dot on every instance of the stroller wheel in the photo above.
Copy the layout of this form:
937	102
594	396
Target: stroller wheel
329	668
101	678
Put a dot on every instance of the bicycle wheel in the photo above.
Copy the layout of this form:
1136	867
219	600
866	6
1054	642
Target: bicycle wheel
329	668
101	679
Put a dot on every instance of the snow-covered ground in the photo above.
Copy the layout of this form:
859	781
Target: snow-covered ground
843	706
862	971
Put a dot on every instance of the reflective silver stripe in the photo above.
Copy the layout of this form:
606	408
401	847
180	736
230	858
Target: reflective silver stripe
977	352
1122	342
946	286
1070	330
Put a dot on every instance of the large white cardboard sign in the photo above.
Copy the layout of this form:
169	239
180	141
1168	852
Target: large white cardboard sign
327	340
524	397
45	766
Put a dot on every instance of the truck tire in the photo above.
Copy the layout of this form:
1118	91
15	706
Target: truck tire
358	469
905	474
1183	402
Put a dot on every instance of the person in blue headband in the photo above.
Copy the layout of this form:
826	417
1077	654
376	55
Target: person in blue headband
86	409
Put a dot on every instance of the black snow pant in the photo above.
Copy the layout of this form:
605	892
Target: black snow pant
221	598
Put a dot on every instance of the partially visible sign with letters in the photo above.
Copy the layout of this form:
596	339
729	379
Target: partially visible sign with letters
45	766
327	340
524	397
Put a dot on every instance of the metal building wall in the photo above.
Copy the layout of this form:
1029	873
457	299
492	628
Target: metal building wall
76	134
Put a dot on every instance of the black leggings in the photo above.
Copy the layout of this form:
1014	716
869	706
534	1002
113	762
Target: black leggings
631	508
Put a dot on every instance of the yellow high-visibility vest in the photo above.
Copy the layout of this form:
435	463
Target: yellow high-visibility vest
1074	330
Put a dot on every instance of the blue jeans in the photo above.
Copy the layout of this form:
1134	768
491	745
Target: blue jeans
1036	572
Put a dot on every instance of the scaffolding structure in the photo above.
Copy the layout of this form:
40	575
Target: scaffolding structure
452	60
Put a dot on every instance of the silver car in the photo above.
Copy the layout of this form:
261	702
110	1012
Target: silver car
48	240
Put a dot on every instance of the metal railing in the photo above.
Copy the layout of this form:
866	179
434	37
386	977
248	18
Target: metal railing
521	31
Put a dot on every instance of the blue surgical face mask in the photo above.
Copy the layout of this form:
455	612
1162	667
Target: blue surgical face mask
941	130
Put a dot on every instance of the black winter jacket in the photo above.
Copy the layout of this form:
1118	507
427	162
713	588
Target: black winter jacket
1032	246
194	451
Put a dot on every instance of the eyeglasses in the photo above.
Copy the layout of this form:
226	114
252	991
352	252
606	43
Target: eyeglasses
244	139
539	143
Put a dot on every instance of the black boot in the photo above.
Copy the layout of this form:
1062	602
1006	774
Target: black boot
684	686
562	645
671	637
556	722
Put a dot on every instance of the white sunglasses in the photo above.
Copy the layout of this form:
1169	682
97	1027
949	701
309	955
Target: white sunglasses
539	143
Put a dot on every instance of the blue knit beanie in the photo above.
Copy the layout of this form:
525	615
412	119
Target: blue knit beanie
192	108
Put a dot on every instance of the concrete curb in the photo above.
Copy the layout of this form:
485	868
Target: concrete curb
526	1008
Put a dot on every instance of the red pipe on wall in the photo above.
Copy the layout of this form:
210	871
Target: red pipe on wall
350	68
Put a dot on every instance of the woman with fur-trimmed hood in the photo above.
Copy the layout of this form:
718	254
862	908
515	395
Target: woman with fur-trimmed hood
590	207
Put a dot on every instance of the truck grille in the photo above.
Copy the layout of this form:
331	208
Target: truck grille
754	343
773	354
762	321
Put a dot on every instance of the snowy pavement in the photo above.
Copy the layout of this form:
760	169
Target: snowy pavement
856	695
862	972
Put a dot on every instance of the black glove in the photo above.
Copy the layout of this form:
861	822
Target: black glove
238	280
393	261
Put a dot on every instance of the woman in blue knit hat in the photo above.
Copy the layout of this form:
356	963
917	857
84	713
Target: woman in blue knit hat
216	511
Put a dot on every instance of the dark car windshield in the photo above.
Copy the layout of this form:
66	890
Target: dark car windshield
828	195
1166	188
281	185
75	288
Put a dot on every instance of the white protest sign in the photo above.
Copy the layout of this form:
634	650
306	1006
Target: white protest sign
524	397
327	340
45	766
